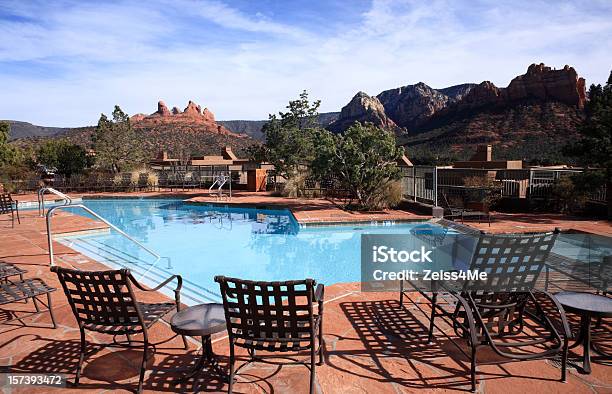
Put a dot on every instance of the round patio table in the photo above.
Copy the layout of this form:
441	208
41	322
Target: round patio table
587	306
201	321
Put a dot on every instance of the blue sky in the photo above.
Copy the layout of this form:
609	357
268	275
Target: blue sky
62	63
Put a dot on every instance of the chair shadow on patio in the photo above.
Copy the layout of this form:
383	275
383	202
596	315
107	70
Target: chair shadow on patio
394	348
118	369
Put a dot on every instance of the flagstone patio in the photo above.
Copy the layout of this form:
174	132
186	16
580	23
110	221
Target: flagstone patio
371	343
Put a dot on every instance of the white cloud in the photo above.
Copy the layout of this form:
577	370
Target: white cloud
133	54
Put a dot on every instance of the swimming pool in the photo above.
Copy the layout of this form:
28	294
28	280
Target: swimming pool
204	241
200	241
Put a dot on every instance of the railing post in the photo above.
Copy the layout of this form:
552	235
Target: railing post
435	181
414	183
530	183
50	239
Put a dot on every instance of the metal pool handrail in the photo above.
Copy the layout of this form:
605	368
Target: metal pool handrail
86	209
41	198
220	181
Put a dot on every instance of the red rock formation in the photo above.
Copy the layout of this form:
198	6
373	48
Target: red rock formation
420	107
546	84
162	110
192	118
208	115
485	93
363	108
192	109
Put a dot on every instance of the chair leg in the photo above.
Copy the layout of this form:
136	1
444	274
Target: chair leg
564	360
321	342
143	365
17	211
81	358
232	365
49	306
185	344
473	368
312	367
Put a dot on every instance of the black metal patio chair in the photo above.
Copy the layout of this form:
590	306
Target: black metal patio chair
9	206
274	317
105	302
12	291
463	213
492	312
8	270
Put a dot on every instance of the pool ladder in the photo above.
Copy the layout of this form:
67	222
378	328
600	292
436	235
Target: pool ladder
41	198
220	181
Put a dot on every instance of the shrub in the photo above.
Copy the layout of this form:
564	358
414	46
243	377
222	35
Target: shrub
295	186
364	160
389	196
482	189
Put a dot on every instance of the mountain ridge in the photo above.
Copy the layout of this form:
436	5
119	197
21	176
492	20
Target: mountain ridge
542	103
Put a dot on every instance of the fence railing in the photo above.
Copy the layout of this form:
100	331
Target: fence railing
419	184
426	183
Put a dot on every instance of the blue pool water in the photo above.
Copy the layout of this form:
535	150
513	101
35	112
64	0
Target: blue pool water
204	241
199	242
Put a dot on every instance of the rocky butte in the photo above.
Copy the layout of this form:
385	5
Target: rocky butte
363	108
192	116
414	107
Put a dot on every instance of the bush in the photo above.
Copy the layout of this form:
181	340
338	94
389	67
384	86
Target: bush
363	159
295	186
482	189
571	193
66	157
389	196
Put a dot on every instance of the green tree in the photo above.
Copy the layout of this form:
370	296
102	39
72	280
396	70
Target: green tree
363	159
9	154
594	148
289	143
116	143
68	158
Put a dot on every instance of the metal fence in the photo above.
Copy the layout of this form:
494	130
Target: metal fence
427	183
419	183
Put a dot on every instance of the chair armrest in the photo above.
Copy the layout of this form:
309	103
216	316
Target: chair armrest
179	283
564	322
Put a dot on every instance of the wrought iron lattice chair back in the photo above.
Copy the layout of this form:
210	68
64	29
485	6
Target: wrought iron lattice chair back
274	317
492	312
105	302
8	205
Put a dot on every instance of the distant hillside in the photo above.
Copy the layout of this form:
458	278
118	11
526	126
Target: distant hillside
25	130
533	131
252	128
531	119
192	131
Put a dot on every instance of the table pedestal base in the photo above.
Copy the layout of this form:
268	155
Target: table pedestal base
584	339
206	358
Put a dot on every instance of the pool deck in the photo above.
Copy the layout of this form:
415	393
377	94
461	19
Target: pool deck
312	211
371	344
325	212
